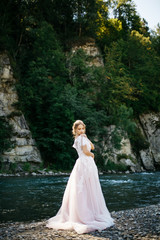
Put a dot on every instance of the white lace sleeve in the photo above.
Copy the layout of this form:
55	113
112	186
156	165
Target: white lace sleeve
77	143
80	141
84	141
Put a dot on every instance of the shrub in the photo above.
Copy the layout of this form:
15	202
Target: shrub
12	167
116	167
27	167
138	141
5	136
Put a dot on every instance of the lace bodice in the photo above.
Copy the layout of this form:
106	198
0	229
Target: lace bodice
79	142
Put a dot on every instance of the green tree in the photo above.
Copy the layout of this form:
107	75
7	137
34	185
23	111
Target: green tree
132	76
155	38
125	11
40	91
10	25
116	83
143	64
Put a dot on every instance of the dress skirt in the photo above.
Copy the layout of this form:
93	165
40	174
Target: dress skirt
83	206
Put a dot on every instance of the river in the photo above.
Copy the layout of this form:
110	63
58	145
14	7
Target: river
39	197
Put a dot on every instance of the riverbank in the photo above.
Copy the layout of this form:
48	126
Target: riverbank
59	173
136	224
38	173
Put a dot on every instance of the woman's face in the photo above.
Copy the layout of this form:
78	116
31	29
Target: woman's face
80	130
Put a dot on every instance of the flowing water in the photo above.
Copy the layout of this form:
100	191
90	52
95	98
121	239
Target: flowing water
37	198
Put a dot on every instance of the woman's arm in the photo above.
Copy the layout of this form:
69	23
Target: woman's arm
92	145
86	152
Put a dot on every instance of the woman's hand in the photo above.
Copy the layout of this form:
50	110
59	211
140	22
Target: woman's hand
86	152
92	145
92	155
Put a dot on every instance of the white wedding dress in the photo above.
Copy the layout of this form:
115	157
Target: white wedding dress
83	207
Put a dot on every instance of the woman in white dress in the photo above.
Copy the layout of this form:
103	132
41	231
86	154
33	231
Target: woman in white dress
83	207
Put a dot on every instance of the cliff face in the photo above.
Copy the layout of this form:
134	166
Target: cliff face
24	149
93	51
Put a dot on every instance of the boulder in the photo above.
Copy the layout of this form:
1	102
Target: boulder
150	124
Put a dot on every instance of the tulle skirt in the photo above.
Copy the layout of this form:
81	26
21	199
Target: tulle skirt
83	207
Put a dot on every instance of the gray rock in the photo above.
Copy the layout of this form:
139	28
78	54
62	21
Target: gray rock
127	162
34	174
147	159
150	124
91	50
132	169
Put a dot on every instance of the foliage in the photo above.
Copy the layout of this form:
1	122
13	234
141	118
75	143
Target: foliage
12	167
124	123
49	96
130	67
41	91
155	39
138	141
5	135
125	11
116	167
26	167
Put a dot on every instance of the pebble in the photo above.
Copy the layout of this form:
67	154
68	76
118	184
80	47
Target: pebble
135	224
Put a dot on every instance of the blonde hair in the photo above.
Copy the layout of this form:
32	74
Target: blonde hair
75	125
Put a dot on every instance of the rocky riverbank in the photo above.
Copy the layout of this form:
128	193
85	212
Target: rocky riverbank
38	173
137	224
59	173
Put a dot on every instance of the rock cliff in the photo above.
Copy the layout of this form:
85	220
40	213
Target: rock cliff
24	149
91	50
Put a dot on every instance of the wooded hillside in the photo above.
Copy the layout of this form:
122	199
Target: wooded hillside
56	88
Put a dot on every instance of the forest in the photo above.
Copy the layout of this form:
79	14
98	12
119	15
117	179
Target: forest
56	88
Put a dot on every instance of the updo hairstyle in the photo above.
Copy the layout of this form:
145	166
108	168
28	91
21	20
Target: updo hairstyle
75	125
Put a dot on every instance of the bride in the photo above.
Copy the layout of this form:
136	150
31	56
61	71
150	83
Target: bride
83	207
